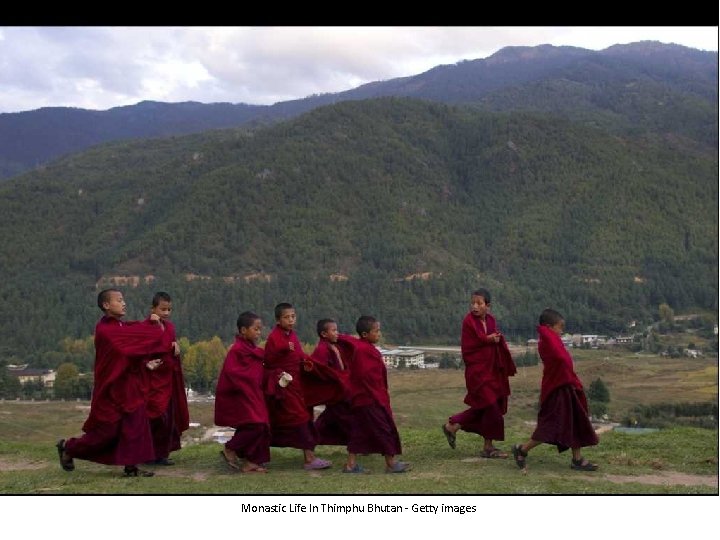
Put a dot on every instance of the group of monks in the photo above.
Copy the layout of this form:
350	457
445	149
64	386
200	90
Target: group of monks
268	395
563	418
139	407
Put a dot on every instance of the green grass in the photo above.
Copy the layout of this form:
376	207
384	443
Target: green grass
421	401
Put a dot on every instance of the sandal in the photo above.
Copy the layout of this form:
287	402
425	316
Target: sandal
493	453
355	469
131	470
518	453
232	464
398	467
317	464
582	464
66	464
450	436
255	469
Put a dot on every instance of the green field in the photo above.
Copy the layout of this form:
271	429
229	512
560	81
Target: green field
678	460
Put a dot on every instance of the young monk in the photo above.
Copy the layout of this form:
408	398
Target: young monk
333	425
563	416
488	365
240	401
167	403
117	431
291	423
373	429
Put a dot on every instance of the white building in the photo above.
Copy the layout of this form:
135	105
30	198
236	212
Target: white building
25	374
406	357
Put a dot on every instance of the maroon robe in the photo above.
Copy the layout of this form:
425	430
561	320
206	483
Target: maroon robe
558	367
373	429
291	423
334	424
487	368
240	401
239	397
487	364
563	416
117	431
324	381
167	402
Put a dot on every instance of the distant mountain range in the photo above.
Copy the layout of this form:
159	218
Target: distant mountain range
641	87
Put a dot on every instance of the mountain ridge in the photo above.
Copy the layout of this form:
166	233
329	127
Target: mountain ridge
32	138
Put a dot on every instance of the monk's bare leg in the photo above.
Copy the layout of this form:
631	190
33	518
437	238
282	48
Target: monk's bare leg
532	444
309	456
520	452
230	455
452	428
351	461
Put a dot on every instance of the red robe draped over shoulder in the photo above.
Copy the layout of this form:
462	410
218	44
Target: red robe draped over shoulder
558	367
121	352
368	374
239	397
326	381
286	406
168	381
487	364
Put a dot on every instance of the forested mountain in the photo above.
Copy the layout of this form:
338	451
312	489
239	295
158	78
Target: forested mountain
395	207
636	88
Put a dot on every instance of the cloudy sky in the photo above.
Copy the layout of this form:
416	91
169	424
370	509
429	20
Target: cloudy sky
99	67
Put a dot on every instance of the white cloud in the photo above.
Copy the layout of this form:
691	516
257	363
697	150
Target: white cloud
105	67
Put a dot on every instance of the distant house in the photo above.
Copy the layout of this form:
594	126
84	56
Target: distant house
532	342
593	340
693	353
624	340
430	365
409	357
26	374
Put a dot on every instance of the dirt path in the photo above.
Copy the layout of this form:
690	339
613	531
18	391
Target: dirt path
21	464
666	478
660	478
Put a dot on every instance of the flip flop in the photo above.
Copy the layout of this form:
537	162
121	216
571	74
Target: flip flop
398	467
317	464
233	465
356	469
450	436
257	469
493	453
582	465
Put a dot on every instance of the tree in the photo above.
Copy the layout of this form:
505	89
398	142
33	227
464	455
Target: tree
67	381
666	313
202	363
598	391
10	386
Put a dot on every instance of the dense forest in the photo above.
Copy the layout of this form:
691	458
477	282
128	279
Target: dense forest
393	207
